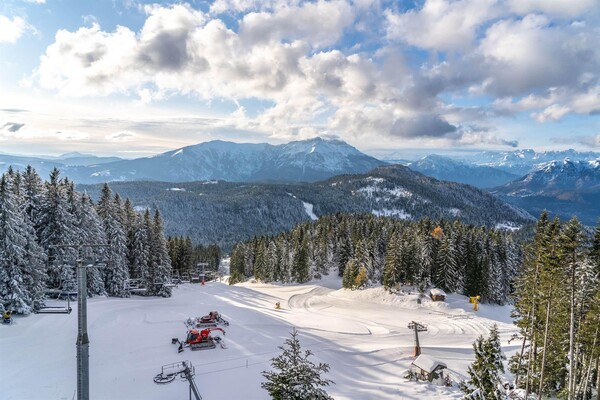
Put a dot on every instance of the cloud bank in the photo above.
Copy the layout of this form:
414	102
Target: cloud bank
405	81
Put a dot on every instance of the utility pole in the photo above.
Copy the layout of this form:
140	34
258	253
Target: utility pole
83	341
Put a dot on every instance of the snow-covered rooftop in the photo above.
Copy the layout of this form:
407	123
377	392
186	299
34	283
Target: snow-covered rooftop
427	363
437	292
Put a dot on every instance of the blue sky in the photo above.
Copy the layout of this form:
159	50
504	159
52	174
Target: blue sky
132	78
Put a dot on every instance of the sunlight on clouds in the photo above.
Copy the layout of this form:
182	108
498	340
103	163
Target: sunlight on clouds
506	57
11	29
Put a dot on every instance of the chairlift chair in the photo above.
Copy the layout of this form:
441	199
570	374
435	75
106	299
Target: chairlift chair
185	277
66	292
134	286
56	309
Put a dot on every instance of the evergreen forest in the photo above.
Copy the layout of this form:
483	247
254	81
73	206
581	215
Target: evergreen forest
365	249
38	217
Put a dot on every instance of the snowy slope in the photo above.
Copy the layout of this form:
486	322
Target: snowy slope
363	335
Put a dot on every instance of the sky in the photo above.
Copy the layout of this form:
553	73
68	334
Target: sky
134	78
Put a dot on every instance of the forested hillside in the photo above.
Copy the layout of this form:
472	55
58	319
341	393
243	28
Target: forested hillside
225	213
35	216
367	250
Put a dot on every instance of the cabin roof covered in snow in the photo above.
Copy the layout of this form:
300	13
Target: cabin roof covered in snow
437	292
427	363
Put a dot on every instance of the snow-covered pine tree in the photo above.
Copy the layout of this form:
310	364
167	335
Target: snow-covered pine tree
130	219
141	249
160	263
271	261
344	251
350	274
391	268
21	259
301	271
259	262
294	376
485	372
236	265
32	187
55	226
116	273
91	232
448	276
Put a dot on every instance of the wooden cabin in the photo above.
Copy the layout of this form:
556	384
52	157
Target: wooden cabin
428	368
437	295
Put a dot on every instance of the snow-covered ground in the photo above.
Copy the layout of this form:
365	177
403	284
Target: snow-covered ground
308	208
363	335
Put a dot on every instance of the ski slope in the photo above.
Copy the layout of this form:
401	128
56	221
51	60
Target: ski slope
363	335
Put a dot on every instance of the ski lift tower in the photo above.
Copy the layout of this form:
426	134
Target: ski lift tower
83	342
417	327
202	275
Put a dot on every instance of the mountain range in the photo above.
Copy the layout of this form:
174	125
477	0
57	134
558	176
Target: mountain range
522	162
307	160
226	212
448	169
563	182
564	188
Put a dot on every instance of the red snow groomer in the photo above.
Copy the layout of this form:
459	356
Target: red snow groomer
212	319
200	340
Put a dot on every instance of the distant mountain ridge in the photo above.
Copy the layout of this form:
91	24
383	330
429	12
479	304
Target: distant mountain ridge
564	188
521	162
448	169
228	212
306	160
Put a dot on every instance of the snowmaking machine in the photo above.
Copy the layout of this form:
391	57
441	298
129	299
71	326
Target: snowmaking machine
201	340
212	319
7	317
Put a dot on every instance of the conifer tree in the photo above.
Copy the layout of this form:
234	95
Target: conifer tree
294	376
141	252
236	265
91	231
485	372
160	263
56	226
392	263
116	273
21	259
301	266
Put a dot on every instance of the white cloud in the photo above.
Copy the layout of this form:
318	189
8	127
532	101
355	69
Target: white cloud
534	53
559	8
441	24
223	6
293	55
320	24
11	29
551	113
